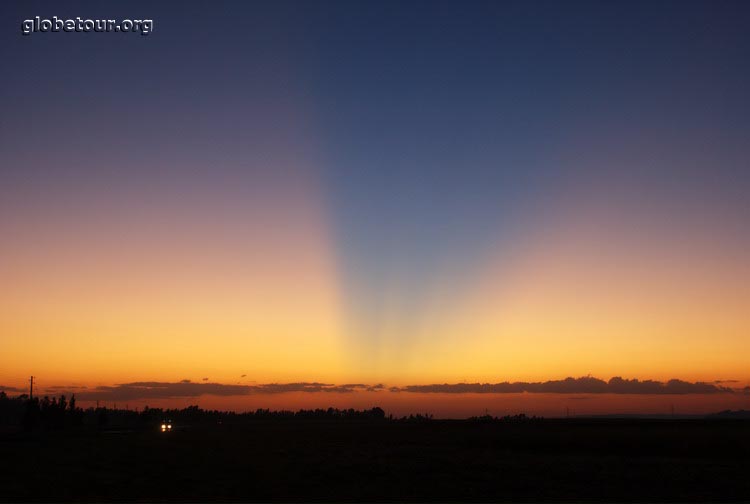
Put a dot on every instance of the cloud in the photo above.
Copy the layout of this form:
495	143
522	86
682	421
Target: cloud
6	389
353	387
159	390
571	386
187	388
582	385
311	387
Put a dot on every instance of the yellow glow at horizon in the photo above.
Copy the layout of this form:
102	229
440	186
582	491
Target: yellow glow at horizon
139	299
594	298
259	295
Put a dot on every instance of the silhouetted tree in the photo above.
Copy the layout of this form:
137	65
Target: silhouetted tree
31	415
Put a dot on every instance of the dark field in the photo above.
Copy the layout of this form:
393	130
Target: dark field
543	460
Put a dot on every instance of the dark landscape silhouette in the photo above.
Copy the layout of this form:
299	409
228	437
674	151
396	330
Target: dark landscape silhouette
53	450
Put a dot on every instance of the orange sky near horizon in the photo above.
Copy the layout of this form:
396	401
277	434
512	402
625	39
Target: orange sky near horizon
127	297
187	270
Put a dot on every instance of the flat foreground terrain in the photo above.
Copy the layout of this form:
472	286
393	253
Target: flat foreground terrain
549	460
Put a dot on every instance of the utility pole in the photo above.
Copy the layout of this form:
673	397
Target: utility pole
31	388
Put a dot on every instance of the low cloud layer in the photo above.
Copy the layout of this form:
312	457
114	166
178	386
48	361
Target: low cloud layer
7	389
187	388
583	385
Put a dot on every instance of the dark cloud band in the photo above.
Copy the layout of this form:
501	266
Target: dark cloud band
582	385
187	388
7	389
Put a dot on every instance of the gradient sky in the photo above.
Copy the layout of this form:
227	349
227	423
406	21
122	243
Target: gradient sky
376	192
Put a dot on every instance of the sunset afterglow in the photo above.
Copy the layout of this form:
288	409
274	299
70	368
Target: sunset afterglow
327	217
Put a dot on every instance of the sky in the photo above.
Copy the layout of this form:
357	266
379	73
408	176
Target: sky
376	196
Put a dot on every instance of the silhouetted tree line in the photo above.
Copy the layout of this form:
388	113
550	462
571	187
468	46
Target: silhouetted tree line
52	413
418	418
12	409
193	415
507	418
58	413
46	413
